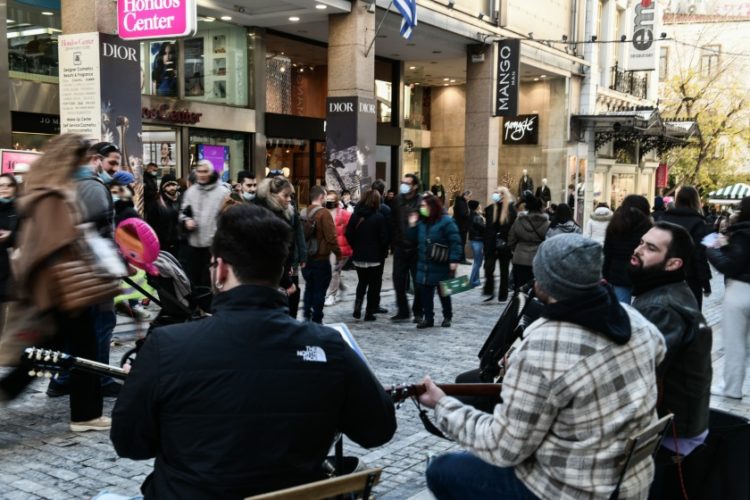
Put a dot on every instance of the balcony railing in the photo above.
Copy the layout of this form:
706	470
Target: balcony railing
629	82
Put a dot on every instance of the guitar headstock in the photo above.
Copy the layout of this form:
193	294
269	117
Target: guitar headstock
402	392
47	363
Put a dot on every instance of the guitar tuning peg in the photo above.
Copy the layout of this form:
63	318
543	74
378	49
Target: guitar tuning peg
55	357
47	374
40	374
38	355
32	373
46	356
55	376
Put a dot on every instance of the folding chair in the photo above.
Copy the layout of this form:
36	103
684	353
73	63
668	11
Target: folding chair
641	446
359	483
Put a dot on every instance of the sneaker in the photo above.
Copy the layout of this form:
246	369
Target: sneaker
446	323
400	318
111	390
95	424
57	391
330	300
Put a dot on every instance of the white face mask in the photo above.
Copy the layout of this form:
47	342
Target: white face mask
404	188
496	197
248	196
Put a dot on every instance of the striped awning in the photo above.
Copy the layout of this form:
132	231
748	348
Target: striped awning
733	192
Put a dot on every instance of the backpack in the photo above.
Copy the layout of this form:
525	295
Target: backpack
309	230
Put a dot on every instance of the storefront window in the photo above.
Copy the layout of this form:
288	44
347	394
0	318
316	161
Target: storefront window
225	150
299	160
296	77
216	63
32	40
384	90
160	147
417	107
622	185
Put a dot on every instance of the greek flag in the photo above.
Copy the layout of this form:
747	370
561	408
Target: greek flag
408	9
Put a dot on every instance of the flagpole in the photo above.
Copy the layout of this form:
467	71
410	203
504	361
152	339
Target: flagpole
377	30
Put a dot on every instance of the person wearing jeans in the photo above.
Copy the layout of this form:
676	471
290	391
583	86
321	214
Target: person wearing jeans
317	271
476	237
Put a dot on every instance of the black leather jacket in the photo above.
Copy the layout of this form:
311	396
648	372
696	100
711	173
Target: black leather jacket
244	402
685	374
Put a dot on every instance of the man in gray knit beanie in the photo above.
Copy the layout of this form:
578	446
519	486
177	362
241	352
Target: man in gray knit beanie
568	266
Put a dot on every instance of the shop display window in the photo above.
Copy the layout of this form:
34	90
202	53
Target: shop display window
32	40
301	161
160	147
206	144
296	77
417	107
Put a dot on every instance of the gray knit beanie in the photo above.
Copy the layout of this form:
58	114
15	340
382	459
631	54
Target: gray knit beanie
568	265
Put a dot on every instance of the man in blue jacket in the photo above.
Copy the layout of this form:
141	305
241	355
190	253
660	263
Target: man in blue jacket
248	400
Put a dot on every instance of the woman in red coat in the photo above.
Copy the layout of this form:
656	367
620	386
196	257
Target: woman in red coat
341	218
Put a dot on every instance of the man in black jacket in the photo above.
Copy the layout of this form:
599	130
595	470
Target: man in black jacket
405	251
463	220
248	400
662	295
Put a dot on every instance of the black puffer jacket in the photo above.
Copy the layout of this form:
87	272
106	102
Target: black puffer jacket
244	402
697	269
477	227
733	259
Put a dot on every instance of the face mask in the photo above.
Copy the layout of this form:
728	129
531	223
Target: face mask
404	188
330	205
496	197
6	200
115	198
83	172
152	174
248	196
424	211
105	177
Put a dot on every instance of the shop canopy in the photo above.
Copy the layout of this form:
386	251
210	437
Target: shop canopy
729	195
642	125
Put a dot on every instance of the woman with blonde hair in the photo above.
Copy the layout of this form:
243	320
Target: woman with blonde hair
277	195
47	237
499	216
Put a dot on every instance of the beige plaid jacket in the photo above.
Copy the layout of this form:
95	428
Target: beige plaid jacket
571	399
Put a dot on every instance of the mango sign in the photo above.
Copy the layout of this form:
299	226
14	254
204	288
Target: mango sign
144	19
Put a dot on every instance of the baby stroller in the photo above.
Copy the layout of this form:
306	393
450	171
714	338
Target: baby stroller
177	300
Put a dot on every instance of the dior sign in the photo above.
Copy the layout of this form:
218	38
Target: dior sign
521	129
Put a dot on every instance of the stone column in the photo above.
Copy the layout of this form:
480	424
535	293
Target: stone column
482	131
351	120
87	16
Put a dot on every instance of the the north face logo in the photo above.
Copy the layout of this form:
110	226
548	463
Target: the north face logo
313	353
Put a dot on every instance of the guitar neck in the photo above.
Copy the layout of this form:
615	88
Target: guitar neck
97	368
480	390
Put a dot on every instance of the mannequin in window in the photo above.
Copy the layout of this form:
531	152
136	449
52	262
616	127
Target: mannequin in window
164	71
525	184
543	193
438	190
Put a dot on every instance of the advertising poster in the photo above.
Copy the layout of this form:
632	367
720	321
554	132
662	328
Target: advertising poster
194	73
12	158
217	155
164	69
642	50
142	20
350	144
508	77
80	91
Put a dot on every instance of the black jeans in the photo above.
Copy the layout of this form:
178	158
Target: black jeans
490	258
404	266
77	332
380	284
522	275
369	282
428	294
317	274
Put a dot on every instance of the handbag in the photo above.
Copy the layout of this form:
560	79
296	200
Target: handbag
500	243
439	253
92	276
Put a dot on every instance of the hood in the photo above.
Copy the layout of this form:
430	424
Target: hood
30	198
536	220
602	214
566	227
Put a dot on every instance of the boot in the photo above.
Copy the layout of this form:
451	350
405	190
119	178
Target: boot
357	309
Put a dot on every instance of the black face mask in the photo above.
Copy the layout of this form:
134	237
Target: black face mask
331	205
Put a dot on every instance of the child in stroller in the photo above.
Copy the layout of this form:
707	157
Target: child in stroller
177	301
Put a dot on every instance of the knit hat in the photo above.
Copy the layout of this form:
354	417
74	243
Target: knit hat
123	178
568	266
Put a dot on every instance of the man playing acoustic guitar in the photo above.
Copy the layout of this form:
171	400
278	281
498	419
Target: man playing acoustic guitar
248	400
579	385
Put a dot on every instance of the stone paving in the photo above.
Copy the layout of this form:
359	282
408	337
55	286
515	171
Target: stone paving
41	458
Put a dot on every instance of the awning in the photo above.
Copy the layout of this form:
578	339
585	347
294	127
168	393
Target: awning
644	125
729	195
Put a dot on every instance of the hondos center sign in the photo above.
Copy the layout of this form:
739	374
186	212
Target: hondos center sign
143	19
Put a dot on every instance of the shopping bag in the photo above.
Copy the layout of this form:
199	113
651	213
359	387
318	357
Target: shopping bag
454	286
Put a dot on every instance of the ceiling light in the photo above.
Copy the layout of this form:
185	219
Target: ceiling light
302	70
47	13
542	76
294	19
282	69
320	6
446	79
412	67
445	84
453	80
536	79
209	19
226	18
9	21
417	83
